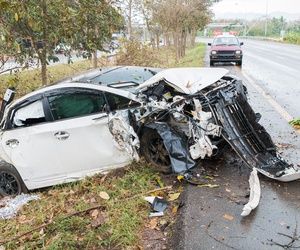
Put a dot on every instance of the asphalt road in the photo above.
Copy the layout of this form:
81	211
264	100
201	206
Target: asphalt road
210	217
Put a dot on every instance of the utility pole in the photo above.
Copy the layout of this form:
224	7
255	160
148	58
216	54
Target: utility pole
266	20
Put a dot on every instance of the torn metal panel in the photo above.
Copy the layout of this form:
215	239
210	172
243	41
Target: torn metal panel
123	133
255	193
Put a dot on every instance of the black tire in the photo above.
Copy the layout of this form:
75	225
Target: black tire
154	151
11	182
211	63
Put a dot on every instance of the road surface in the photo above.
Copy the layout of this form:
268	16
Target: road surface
210	217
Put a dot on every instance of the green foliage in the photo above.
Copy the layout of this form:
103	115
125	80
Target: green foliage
32	28
292	37
295	122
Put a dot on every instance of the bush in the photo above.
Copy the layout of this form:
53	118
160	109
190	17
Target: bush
292	37
139	54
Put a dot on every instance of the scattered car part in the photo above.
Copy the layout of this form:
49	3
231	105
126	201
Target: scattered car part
255	193
12	205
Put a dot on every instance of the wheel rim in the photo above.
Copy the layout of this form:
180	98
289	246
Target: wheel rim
158	152
9	184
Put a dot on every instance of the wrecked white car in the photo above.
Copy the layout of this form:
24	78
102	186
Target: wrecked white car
174	119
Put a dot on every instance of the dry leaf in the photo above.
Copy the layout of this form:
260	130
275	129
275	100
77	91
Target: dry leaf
173	197
174	210
209	185
104	195
180	177
100	220
22	219
153	223
228	217
95	213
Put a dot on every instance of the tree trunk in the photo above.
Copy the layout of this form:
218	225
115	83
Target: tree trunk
193	37
44	73
130	19
95	61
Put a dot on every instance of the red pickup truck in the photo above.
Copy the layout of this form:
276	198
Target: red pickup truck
226	48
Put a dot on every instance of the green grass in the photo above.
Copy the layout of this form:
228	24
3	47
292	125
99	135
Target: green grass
125	217
194	57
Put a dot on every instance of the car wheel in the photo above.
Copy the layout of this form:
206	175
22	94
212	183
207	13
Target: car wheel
11	182
154	151
211	63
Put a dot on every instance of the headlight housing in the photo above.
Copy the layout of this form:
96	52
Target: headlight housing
238	52
214	52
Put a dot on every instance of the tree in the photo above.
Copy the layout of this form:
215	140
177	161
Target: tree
180	18
30	27
89	24
33	27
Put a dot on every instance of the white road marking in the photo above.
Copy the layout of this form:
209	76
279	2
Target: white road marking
269	98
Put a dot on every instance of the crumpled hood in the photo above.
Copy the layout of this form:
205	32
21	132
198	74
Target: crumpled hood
186	80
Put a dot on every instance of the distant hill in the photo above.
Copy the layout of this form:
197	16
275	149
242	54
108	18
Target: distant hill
251	15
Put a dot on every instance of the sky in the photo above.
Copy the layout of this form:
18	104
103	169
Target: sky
256	6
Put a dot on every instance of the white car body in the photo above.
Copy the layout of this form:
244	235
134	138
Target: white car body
43	157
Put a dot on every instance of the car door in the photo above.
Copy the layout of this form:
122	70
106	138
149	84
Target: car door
80	128
28	143
74	141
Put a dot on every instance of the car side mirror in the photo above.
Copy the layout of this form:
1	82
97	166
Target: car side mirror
241	43
209	44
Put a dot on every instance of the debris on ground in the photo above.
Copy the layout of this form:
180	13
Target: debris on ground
158	205
255	193
10	206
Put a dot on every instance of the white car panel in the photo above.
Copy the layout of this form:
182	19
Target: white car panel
44	157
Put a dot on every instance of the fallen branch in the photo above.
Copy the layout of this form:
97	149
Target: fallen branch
49	223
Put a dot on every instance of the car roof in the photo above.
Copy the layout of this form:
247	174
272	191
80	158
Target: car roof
117	77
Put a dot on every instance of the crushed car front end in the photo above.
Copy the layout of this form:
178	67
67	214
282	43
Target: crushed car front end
196	111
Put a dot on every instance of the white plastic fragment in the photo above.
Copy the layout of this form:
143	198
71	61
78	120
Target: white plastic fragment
156	214
12	205
255	193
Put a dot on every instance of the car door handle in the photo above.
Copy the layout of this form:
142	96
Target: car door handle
62	135
12	143
100	117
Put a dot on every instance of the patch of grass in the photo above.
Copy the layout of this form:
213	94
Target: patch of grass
124	216
194	57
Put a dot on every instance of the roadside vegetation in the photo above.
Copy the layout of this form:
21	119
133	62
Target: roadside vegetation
104	211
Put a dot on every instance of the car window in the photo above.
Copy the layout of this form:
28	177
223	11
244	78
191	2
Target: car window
226	41
75	104
116	102
29	115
